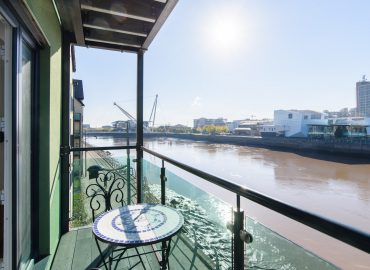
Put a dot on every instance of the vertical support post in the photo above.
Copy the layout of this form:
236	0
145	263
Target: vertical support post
128	175
163	202
65	143
140	123
85	153
163	184
238	244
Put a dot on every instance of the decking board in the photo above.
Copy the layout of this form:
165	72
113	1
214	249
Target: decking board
95	255
82	256
65	253
77	250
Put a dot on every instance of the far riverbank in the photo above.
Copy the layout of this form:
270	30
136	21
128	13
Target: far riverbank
354	147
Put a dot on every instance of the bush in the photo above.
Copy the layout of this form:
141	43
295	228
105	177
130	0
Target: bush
79	216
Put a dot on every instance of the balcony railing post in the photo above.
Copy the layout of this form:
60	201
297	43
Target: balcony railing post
163	184
128	175
163	202
139	124
238	244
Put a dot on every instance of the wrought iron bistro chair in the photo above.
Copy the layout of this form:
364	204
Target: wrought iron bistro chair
105	194
106	191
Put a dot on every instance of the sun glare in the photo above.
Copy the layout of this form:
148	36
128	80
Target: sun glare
226	31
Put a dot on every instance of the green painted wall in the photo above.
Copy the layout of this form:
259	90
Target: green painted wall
44	13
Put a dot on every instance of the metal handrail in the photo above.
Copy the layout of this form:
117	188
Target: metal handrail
342	232
123	147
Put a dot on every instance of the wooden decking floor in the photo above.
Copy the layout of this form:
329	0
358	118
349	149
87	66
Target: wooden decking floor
77	250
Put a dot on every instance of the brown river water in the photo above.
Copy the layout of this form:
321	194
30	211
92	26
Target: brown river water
331	186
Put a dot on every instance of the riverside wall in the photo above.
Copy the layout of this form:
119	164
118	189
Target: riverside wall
349	147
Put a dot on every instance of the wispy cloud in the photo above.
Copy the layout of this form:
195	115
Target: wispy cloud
197	102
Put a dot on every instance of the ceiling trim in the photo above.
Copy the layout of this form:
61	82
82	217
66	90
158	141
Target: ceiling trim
117	13
86	25
160	21
112	42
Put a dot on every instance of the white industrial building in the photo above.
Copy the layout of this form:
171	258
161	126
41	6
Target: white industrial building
304	123
231	126
293	123
250	127
270	130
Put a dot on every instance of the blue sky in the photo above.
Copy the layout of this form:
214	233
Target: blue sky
234	59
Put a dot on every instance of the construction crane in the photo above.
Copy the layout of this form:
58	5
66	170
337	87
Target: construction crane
154	111
152	114
129	116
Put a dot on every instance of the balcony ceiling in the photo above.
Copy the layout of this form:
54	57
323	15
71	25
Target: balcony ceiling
125	25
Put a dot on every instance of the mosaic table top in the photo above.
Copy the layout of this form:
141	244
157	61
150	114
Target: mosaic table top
138	224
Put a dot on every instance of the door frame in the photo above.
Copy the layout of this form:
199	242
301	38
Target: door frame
24	40
18	33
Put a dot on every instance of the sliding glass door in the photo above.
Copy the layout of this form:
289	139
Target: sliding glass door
17	94
24	156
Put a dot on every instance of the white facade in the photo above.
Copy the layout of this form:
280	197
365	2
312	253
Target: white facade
231	126
295	123
271	130
254	124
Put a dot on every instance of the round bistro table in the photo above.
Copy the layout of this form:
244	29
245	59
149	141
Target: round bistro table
137	225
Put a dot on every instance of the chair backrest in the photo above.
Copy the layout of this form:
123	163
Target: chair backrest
106	189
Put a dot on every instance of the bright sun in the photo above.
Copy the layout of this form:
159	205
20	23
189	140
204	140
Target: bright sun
226	31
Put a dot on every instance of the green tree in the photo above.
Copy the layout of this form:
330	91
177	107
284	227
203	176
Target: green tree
212	129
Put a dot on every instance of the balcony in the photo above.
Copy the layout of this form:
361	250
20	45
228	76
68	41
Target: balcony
205	241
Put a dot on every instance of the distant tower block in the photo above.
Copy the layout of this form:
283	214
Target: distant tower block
363	97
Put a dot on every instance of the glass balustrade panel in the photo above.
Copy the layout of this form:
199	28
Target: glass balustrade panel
113	171
278	241
205	237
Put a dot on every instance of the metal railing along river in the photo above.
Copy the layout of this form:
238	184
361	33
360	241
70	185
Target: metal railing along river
342	232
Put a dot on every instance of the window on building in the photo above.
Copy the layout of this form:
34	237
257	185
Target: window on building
77	116
290	116
316	116
76	127
305	117
77	142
